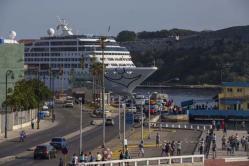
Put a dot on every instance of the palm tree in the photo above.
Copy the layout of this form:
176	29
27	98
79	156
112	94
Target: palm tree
96	70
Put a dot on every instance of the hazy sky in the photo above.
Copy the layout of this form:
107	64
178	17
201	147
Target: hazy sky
31	18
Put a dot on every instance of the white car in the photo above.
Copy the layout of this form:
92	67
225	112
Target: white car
68	104
45	111
132	109
100	111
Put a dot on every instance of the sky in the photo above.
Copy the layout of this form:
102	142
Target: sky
32	18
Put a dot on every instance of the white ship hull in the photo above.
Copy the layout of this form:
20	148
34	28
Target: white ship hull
125	80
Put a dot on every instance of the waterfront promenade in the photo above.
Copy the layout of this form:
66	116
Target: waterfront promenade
188	138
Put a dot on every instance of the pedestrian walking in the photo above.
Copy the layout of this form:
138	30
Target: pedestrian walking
85	158
201	146
61	162
247	147
121	155
172	148
32	124
127	154
214	150
167	149
141	149
223	140
53	117
178	148
157	140
163	149
98	157
74	160
90	157
229	149
81	157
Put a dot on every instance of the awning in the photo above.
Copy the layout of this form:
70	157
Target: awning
187	103
231	101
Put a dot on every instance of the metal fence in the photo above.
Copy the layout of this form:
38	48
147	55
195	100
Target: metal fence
181	126
178	160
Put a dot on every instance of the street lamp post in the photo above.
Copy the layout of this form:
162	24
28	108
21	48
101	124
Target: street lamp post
149	118
124	129
142	125
102	42
8	73
38	109
119	118
80	124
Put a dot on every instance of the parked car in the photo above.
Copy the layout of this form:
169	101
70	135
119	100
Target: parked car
44	151
45	111
109	121
132	109
138	117
58	143
100	111
68	104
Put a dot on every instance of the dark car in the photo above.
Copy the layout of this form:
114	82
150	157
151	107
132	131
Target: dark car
58	143
44	151
109	122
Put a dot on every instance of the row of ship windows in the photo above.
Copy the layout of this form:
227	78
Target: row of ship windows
85	65
72	59
61	49
57	43
70	54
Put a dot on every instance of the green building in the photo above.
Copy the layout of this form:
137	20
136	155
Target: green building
12	59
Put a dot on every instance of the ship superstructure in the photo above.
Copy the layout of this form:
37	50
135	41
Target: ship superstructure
62	59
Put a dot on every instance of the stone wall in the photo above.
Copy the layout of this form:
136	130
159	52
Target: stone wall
17	120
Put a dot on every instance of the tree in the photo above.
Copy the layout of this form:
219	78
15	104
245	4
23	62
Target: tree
124	36
28	94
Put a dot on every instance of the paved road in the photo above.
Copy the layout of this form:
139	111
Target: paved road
91	139
68	122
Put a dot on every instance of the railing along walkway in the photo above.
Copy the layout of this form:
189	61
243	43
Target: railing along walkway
181	126
178	160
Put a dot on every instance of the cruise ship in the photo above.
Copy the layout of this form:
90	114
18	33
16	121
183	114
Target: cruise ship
72	57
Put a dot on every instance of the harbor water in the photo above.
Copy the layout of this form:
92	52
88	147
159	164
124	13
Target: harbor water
179	94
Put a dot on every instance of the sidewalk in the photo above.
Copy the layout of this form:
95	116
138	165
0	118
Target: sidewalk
188	138
44	125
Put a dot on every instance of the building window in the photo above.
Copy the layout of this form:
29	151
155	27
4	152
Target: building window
229	90
239	90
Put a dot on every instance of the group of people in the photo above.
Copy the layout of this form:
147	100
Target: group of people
171	148
168	148
209	142
105	155
233	142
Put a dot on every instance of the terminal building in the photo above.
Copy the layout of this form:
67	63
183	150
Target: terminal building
234	96
11	64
